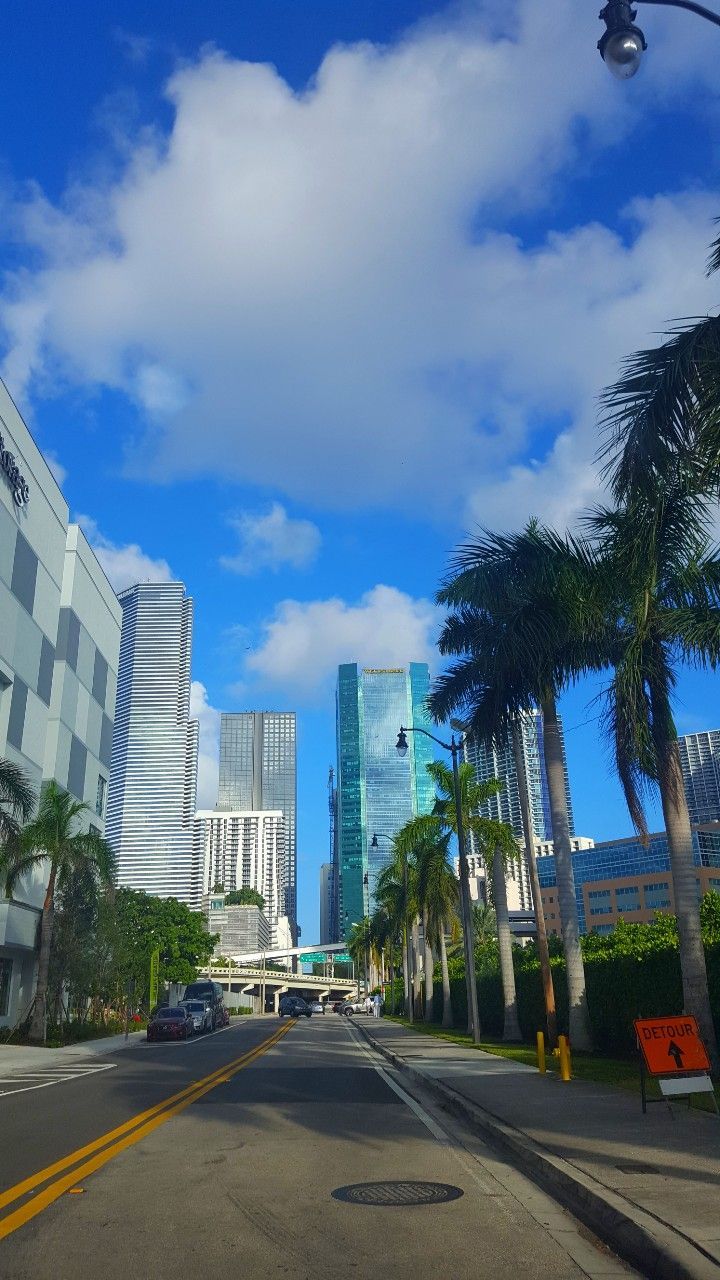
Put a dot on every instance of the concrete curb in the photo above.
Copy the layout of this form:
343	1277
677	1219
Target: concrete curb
658	1251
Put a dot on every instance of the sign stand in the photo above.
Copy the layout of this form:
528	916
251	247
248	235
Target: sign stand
673	1045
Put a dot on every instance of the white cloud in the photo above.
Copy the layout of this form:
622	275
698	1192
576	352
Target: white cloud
308	290
124	564
272	540
209	725
304	642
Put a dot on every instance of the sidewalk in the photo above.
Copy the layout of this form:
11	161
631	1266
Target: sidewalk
647	1185
16	1058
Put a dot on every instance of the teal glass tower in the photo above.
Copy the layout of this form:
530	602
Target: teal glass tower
377	790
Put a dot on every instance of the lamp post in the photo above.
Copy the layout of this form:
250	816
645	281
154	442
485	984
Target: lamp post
455	747
366	929
409	1010
622	44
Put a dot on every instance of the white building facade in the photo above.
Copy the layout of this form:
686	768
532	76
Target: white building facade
246	850
151	803
59	642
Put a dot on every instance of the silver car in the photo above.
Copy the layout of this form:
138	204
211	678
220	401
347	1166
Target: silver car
201	1015
317	1006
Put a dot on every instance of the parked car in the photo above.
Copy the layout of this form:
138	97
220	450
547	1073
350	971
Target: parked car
317	1006
171	1023
212	994
294	1007
201	1013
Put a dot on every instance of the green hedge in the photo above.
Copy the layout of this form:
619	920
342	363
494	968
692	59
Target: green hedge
635	971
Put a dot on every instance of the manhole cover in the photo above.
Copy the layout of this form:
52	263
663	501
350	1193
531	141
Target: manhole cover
390	1194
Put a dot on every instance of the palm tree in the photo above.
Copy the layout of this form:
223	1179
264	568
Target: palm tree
358	945
488	836
438	891
397	887
390	896
52	840
17	801
665	408
663	578
484	923
527	618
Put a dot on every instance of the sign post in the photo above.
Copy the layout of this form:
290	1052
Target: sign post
671	1050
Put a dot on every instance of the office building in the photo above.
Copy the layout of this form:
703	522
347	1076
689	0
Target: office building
59	641
700	763
498	761
326	901
621	878
377	790
151	803
258	770
245	850
242	929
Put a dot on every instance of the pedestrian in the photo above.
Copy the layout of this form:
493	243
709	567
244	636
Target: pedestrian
377	1002
368	1003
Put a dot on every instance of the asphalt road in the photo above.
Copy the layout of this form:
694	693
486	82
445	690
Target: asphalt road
239	1174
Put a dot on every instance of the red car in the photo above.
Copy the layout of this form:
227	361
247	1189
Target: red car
171	1024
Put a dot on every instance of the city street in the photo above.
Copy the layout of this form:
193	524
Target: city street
242	1172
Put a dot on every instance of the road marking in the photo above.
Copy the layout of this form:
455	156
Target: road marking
53	1075
119	1139
439	1134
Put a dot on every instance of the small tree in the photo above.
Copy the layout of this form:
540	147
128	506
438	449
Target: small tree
53	841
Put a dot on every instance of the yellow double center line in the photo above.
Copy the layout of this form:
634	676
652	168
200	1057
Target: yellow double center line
103	1149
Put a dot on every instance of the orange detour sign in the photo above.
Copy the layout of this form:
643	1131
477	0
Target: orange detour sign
671	1045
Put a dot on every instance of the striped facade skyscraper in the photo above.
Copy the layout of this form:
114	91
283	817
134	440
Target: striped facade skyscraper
700	763
153	778
258	771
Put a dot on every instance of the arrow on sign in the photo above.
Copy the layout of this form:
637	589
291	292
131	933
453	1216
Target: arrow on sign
675	1052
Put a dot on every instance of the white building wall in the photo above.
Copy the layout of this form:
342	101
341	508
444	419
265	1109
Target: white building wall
47	570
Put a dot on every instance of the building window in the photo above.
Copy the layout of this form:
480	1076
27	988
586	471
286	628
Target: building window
100	798
5	978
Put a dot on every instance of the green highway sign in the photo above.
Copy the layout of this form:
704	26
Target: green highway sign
319	957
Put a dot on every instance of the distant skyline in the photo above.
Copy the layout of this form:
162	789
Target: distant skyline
295	297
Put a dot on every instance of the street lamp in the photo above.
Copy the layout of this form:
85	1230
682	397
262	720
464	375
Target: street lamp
409	1010
622	44
455	746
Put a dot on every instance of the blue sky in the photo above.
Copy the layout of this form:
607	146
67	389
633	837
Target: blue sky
296	294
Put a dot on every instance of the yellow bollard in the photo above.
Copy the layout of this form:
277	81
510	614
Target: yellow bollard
541	1052
565	1064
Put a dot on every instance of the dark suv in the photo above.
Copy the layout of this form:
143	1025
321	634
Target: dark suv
212	994
294	1007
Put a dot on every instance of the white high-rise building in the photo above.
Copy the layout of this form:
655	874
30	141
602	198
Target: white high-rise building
700	763
153	780
245	850
258	770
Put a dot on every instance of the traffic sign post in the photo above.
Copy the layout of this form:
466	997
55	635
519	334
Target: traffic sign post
672	1048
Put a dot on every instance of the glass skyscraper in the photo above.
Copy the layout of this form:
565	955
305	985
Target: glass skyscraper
258	771
377	790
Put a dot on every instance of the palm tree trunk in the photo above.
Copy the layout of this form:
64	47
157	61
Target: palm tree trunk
429	966
447	1018
38	1024
417	976
696	996
540	929
579	1019
511	1025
